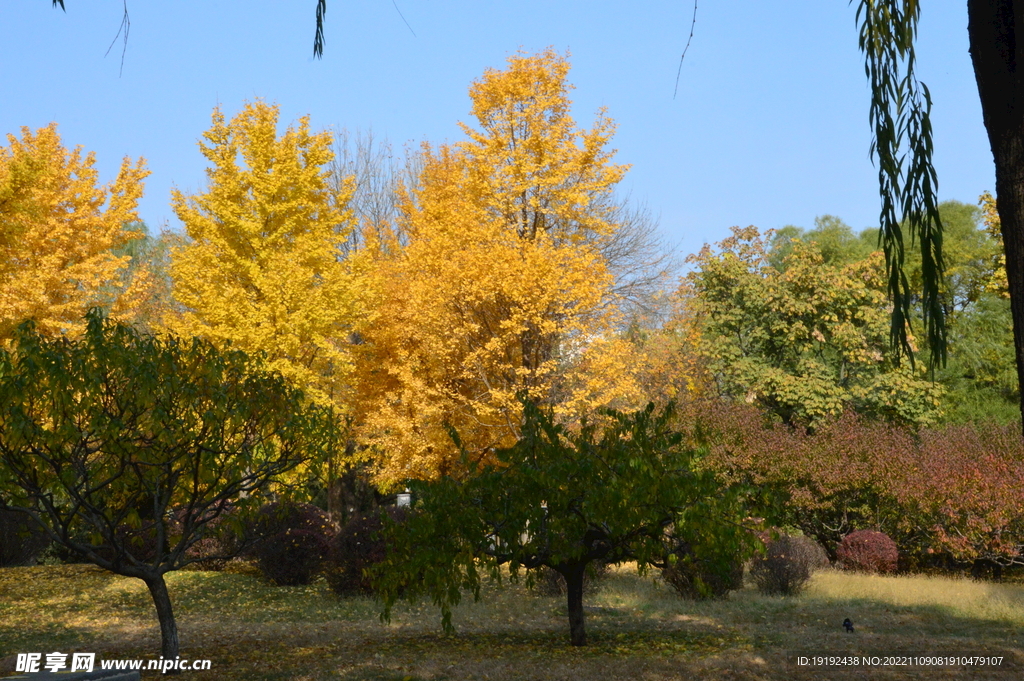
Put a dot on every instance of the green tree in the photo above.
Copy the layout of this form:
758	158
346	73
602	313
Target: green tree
565	499
806	341
127	448
834	239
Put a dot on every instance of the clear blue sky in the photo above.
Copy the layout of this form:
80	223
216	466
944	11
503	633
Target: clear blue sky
769	127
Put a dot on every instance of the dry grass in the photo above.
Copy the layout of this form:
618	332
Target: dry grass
638	629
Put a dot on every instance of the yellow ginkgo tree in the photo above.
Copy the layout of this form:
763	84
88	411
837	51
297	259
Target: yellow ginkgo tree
58	231
261	268
494	287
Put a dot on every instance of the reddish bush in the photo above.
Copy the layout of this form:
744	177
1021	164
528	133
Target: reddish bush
293	542
868	551
357	547
941	491
21	540
217	542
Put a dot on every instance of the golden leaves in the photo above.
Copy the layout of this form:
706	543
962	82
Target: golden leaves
57	230
261	269
499	289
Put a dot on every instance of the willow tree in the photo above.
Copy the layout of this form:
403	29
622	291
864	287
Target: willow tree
900	107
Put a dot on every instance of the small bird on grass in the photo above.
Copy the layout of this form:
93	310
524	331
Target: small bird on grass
848	625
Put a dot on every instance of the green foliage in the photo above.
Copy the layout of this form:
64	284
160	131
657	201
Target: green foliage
981	376
833	238
805	341
127	448
901	117
119	428
698	574
564	499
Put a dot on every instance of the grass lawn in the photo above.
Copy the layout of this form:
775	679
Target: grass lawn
638	629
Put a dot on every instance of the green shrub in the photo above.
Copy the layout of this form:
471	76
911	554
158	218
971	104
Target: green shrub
700	577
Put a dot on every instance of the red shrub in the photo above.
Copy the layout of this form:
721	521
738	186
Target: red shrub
294	542
868	551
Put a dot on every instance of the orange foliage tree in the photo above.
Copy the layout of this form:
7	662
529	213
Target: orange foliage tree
492	286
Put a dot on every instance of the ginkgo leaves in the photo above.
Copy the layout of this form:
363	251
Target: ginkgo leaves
261	268
497	289
58	227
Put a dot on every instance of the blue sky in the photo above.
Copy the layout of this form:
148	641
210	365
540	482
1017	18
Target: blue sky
769	127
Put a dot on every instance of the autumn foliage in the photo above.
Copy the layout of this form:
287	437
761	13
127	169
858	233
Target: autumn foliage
260	269
493	287
58	227
951	490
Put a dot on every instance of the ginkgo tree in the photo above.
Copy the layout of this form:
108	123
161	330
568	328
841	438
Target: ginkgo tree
493	284
261	268
58	231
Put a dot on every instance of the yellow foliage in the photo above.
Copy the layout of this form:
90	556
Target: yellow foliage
261	268
496	288
57	230
990	217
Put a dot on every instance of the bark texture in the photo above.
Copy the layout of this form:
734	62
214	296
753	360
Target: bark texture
574	575
168	627
994	27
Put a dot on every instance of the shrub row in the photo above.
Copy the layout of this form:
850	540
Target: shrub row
949	491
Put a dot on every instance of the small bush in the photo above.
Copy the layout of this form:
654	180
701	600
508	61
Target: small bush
358	547
787	564
217	544
868	551
21	540
552	583
293	542
702	577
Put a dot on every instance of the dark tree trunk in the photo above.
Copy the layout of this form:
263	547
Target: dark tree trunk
574	575
168	627
993	26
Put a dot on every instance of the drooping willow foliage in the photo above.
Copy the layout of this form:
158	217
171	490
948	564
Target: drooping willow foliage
902	146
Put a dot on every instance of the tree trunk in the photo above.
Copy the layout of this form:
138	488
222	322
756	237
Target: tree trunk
168	627
574	593
995	51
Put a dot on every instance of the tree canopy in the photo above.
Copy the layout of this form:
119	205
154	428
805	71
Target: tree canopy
261	266
631	489
128	448
58	231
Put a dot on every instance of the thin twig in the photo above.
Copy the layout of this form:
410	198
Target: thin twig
393	2
126	26
693	23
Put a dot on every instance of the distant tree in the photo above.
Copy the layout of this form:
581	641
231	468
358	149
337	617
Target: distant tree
129	448
805	342
59	231
833	238
628	491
